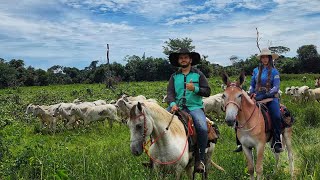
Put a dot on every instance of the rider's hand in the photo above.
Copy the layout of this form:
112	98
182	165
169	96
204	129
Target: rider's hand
190	86
174	108
260	97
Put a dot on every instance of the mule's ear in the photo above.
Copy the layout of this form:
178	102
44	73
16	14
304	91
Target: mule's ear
241	78
225	78
139	106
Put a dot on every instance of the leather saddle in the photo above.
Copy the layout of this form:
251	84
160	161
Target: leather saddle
287	119
186	119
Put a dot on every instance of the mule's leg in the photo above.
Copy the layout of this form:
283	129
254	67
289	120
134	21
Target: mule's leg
259	163
276	156
287	135
249	158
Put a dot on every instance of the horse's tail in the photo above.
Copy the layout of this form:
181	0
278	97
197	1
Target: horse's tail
217	166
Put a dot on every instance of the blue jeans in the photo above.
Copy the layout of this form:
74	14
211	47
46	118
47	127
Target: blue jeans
199	120
274	111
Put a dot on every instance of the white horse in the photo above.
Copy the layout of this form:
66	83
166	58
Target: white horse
169	152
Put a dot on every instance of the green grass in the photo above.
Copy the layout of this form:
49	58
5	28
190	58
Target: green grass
98	152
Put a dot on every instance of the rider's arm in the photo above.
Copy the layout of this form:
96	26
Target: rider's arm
253	81
276	82
171	94
203	89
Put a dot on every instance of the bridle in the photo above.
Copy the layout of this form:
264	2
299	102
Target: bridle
145	128
236	85
145	143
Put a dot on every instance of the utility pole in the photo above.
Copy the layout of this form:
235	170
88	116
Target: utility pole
108	73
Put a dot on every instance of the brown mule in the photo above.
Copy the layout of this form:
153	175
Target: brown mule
251	126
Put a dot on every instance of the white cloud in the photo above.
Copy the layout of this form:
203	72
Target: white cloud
151	9
198	18
75	35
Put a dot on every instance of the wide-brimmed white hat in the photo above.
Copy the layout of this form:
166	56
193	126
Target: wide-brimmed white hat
267	52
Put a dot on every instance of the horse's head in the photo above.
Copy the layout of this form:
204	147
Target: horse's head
232	98
140	127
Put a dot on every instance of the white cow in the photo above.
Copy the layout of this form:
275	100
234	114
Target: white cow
89	113
314	94
303	93
30	109
133	98
46	118
213	104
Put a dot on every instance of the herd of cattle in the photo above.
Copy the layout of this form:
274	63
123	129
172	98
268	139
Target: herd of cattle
76	113
303	93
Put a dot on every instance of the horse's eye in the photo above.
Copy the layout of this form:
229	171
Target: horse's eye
223	96
240	95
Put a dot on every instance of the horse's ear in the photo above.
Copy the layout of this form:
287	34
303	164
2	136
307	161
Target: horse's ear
139	106
225	78
242	78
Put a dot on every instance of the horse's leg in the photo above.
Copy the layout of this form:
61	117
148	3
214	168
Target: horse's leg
189	170
287	138
249	158
178	173
259	163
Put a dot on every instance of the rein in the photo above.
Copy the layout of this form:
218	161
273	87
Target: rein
239	127
239	108
145	144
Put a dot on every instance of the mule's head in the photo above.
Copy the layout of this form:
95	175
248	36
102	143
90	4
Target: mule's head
232	98
140	127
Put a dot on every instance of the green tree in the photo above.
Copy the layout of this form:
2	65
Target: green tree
173	45
279	49
205	67
309	58
30	76
7	75
73	73
41	77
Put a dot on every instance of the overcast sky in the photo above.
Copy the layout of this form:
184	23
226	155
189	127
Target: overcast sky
75	32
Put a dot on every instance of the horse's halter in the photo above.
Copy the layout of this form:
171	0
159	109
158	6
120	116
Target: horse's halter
236	85
145	129
233	85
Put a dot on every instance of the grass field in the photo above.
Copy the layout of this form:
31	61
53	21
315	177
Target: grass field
98	152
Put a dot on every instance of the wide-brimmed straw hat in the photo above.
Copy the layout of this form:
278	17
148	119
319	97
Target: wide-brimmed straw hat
174	57
267	52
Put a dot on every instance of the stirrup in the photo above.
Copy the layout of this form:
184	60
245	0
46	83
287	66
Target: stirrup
280	149
239	149
201	170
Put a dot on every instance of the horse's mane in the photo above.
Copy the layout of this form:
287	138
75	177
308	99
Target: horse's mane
160	114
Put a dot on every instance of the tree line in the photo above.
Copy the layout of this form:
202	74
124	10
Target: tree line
14	73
